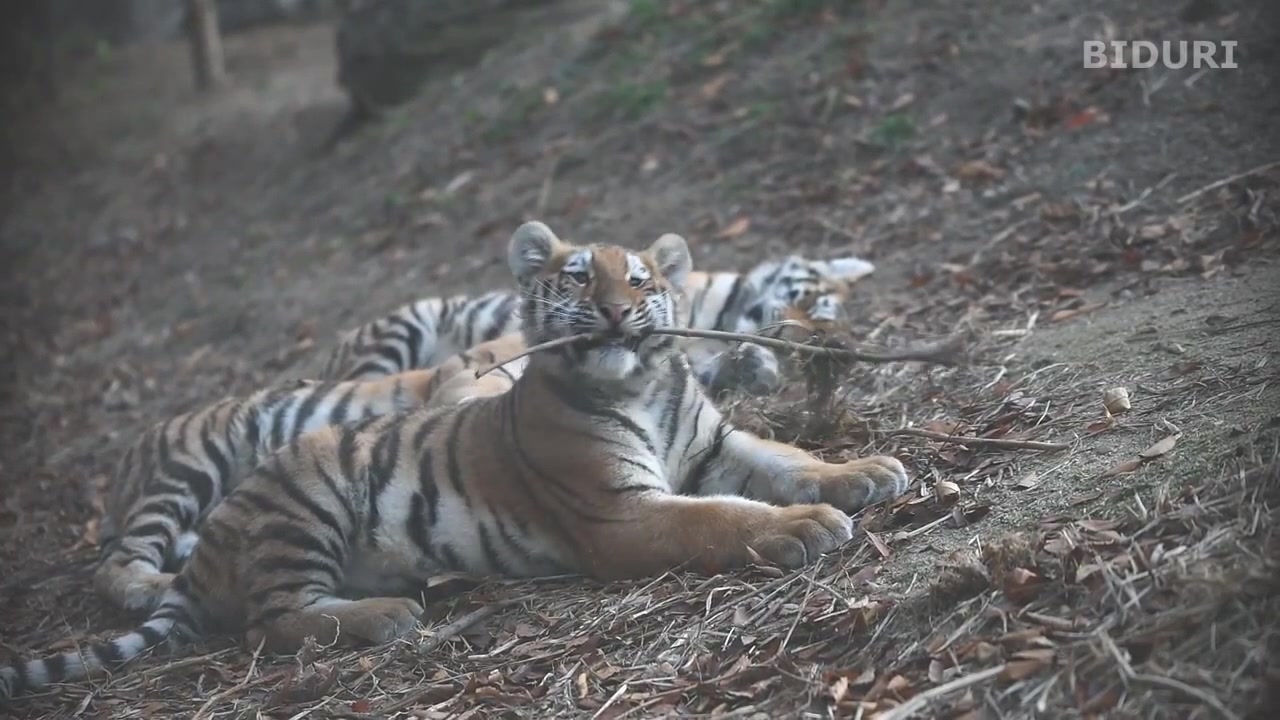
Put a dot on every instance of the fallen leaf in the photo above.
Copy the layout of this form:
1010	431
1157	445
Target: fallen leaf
1080	119
1124	468
1160	448
1067	314
1027	482
879	544
1102	425
978	170
1116	400
711	88
1021	669
550	95
735	228
946	492
1021	585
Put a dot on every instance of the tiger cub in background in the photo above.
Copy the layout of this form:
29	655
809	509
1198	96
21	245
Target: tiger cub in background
606	459
810	293
179	470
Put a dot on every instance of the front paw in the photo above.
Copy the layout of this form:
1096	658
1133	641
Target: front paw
853	485
749	368
802	534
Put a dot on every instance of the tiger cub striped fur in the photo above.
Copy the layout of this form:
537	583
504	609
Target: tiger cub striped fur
811	293
178	470
607	460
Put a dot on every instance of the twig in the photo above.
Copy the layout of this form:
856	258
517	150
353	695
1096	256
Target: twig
442	635
447	632
935	352
919	702
941	352
1195	692
978	441
612	699
568	340
238	687
1227	181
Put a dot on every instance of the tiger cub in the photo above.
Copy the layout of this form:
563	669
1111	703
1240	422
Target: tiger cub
178	470
606	460
810	293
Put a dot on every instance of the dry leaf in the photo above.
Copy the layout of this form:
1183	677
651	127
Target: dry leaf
735	228
1021	669
550	95
1124	468
1098	426
1081	119
946	492
1160	448
978	170
1021	585
1028	482
711	88
1116	400
879	544
1061	315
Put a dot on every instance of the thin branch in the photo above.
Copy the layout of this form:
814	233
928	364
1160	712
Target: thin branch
1227	181
246	682
941	352
1191	691
568	340
919	702
981	442
442	635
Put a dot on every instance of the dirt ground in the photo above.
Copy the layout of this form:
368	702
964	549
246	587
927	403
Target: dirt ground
1089	229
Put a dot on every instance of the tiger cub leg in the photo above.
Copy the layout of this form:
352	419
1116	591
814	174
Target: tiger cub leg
782	474
711	534
131	573
304	519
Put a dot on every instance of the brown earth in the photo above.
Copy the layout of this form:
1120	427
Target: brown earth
168	248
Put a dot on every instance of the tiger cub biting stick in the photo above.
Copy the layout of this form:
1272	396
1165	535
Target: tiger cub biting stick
605	459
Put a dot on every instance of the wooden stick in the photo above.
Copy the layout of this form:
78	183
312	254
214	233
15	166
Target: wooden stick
1227	181
981	442
921	701
568	340
935	352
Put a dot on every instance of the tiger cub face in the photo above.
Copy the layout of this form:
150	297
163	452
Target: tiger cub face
605	290
809	293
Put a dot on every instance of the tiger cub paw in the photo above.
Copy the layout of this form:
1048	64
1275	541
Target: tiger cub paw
855	484
374	621
143	593
749	368
802	534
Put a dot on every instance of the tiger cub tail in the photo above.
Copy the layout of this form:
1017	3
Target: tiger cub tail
179	616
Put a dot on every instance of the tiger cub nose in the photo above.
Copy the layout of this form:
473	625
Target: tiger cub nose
615	313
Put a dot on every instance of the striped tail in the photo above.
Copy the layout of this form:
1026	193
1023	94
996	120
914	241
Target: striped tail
176	617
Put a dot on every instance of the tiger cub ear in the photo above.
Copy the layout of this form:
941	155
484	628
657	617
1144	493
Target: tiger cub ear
531	246
847	269
671	257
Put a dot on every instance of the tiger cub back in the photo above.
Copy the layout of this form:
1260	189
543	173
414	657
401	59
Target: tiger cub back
179	470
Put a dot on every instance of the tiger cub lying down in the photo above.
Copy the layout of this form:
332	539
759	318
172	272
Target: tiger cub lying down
608	460
810	293
178	470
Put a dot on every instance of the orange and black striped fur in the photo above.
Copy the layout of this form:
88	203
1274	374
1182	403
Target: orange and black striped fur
178	470
810	293
607	460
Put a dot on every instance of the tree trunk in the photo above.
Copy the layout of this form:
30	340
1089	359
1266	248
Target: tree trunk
206	44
